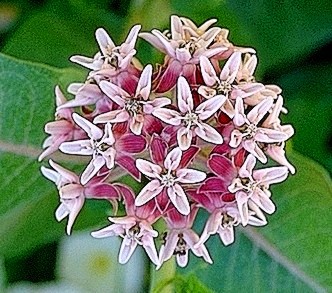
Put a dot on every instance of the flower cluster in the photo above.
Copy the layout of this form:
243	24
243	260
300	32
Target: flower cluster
191	130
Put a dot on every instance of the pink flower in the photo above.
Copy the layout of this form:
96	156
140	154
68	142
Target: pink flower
225	85
248	133
73	194
87	94
132	108
60	130
251	187
180	238
183	49
190	120
135	228
169	179
104	148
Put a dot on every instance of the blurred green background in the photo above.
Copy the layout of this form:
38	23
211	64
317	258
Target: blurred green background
293	40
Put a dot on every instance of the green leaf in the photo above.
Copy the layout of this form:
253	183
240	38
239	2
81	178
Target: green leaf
307	92
27	200
293	253
60	30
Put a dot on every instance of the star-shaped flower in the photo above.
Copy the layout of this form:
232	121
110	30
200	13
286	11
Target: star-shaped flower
190	120
169	178
132	108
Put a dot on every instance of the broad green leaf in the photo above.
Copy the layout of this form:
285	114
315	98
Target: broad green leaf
60	30
293	253
27	200
307	92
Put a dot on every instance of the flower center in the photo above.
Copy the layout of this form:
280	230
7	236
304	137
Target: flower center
248	131
189	119
133	232
227	221
181	246
133	107
191	45
223	87
167	180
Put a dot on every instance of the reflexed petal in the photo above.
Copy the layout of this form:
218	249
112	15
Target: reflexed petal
126	250
179	199
168	116
101	190
92	169
169	77
206	109
208	133
148	169
184	138
158	149
184	96
213	184
188	156
131	143
222	167
128	164
114	116
190	176
208	71
92	130
151	190
173	159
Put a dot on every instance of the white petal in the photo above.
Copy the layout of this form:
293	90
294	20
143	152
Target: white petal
92	130
126	250
104	41
144	83
206	109
92	169
173	159
179	199
114	116
167	115
184	137
151	190
242	203
190	176
184	96
148	169
208	133
78	147
208	71
136	125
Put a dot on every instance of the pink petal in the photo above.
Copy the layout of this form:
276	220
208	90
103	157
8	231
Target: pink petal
190	176
188	156
184	96
128	164
206	109
179	199
208	133
184	138
222	167
114	116
92	169
148	169
169	77
131	143
213	184
151	190
92	130
102	190
173	159
168	116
